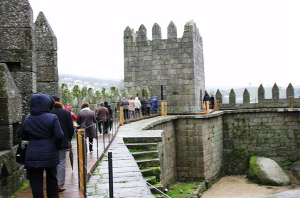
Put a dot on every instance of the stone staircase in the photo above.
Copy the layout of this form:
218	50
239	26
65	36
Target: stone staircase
144	151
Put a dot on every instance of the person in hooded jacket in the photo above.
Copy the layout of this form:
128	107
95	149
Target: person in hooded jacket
154	104
45	136
66	123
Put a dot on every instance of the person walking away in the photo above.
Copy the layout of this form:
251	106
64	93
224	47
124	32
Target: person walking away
212	101
86	119
131	107
148	106
102	116
144	106
74	116
137	105
206	98
154	104
110	115
124	104
66	123
45	136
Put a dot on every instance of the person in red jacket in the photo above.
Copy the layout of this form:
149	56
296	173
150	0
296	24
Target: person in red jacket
74	116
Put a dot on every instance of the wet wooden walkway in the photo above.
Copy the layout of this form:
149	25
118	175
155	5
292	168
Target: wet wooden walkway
71	181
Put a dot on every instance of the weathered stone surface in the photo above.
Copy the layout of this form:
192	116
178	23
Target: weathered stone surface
45	38
16	13
46	58
48	87
16	38
295	168
287	194
275	93
6	140
10	98
232	97
47	74
156	32
290	91
19	60
261	94
25	81
267	172
246	97
172	31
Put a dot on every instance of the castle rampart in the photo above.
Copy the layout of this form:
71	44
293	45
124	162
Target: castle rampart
172	68
274	102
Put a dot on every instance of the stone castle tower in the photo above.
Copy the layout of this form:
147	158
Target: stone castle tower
173	68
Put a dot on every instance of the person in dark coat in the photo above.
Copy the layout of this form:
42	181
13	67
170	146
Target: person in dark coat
86	119
148	106
45	136
110	115
102	118
212	101
206	98
144	106
66	123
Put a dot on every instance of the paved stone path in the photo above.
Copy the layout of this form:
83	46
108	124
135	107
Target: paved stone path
128	180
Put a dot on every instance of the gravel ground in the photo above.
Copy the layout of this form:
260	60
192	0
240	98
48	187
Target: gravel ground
237	187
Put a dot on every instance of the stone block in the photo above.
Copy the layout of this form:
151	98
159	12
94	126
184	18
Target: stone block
46	58
47	74
46	43
16	38
6	140
26	58
26	103
48	87
16	13
25	81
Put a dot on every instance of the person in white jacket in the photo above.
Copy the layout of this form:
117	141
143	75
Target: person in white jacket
137	105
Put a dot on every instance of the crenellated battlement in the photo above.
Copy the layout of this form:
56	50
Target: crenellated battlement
275	102
173	68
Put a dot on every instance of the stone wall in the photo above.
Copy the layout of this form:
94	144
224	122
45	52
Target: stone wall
167	152
199	147
27	64
171	67
273	133
275	102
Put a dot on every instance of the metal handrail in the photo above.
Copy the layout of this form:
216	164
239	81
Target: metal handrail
158	190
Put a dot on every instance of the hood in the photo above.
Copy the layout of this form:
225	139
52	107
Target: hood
136	98
40	103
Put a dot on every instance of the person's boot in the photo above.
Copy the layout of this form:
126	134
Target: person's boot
91	148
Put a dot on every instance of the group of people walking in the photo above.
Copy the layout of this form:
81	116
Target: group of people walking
134	108
49	129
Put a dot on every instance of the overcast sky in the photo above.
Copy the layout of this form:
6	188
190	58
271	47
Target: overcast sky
244	41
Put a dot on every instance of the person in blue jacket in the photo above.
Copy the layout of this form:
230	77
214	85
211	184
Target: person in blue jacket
154	104
45	136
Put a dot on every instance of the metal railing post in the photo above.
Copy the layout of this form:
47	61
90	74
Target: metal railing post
97	138
110	172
